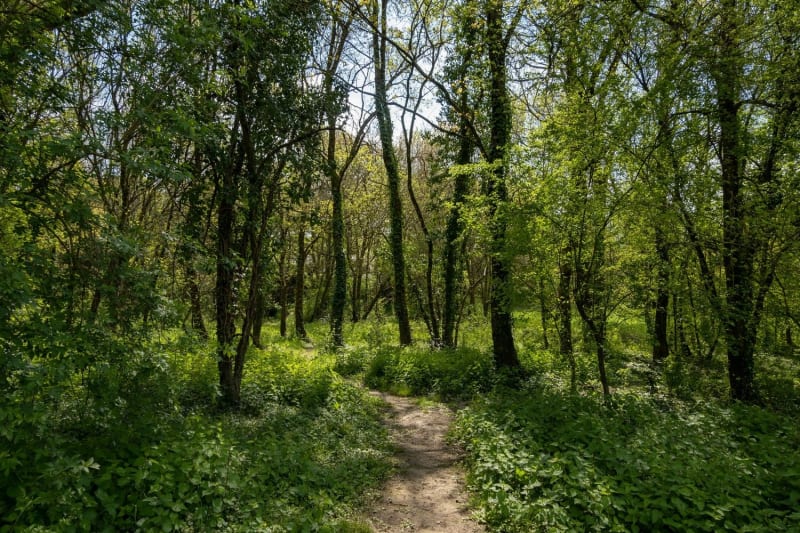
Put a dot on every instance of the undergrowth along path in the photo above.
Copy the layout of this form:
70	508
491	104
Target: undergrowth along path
427	493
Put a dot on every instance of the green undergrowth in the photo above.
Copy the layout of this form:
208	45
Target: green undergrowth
668	452
452	374
543	459
135	443
415	370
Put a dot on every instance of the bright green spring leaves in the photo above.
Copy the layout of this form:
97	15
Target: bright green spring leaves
134	445
545	461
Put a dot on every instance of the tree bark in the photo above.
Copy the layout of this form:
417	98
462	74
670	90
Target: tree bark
455	226
545	314
299	285
737	250
195	303
660	340
505	353
224	290
392	172
565	308
283	297
258	319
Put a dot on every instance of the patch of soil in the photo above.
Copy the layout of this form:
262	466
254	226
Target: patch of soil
427	492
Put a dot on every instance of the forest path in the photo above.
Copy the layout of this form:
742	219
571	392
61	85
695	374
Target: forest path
427	493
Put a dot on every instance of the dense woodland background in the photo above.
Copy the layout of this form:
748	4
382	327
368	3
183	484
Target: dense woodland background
582	216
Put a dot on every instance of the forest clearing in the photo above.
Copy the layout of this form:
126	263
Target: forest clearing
399	265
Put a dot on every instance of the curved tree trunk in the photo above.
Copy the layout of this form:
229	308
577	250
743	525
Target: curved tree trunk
392	172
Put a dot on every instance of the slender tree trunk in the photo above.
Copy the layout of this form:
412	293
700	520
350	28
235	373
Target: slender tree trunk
429	306
587	291
299	286
545	314
380	288
339	299
565	308
258	319
660	340
224	291
284	286
339	32
355	293
452	274
321	303
195	303
681	344
392	172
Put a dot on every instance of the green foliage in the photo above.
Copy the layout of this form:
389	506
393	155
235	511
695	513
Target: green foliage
459	373
350	362
131	443
546	460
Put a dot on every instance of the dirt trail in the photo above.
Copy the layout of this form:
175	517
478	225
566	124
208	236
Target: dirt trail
427	493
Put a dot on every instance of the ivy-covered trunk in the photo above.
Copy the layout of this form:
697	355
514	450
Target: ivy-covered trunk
224	290
455	225
299	285
195	303
660	339
339	299
505	353
392	172
737	250
563	294
452	272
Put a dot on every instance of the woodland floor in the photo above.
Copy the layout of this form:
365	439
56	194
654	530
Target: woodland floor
427	493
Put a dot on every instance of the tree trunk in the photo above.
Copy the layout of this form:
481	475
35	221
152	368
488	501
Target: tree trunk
429	307
380	289
565	308
258	319
588	288
545	314
339	299
322	300
392	172
660	340
452	272
224	291
355	294
299	286
737	250
195	303
505	353
284	286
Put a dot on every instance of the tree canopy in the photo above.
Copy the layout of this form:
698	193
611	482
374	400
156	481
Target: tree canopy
628	173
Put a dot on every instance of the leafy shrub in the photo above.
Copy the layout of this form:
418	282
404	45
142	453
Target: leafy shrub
545	460
279	375
351	361
111	447
459	373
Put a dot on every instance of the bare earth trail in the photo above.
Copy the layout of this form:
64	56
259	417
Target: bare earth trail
427	493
